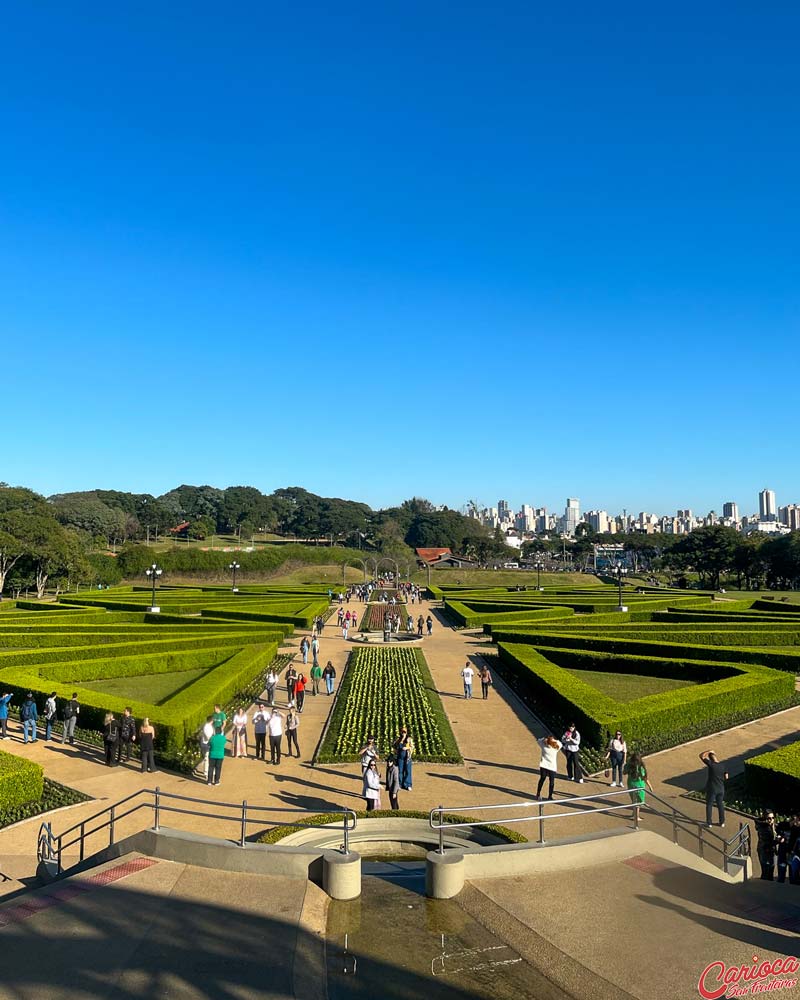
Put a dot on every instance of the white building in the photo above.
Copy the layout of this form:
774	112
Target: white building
767	511
572	515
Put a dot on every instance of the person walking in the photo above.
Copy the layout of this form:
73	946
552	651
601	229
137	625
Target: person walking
275	728
147	735
216	755
548	765
316	677
767	844
300	692
260	721
49	716
4	702
486	681
329	674
304	647
345	628
292	722
315	652
205	742
392	782
429	623
127	734
616	753
239	741
72	710
715	787
28	714
420	626
637	780
291	680
372	787
110	738
467	674
572	749
271	684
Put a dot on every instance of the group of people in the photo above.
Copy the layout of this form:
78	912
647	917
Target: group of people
119	735
468	675
267	721
398	770
31	719
778	844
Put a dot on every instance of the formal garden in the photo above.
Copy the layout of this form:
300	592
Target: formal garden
206	646
671	668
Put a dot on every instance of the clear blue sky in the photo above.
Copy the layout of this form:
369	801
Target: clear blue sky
380	250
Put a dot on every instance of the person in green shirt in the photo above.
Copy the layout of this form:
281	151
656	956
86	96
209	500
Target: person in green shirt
216	755
316	677
219	718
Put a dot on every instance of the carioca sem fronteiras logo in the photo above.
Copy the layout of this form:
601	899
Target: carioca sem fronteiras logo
720	980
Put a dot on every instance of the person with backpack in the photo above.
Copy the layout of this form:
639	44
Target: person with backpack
111	738
127	735
49	715
4	715
71	712
28	714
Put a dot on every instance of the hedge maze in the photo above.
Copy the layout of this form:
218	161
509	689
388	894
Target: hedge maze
221	643
730	660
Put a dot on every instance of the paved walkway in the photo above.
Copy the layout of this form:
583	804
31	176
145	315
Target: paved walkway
496	738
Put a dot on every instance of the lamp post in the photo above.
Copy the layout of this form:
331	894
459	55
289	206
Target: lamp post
153	573
538	567
619	572
233	567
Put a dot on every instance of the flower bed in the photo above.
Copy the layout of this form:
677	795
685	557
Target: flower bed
382	689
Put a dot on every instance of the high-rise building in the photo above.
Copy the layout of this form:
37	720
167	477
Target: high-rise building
572	515
503	510
731	510
767	510
599	521
790	516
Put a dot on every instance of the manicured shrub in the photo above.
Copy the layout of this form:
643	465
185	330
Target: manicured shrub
775	777
21	781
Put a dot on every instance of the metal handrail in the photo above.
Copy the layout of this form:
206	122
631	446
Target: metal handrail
738	845
156	803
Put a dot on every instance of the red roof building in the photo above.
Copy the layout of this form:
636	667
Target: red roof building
431	555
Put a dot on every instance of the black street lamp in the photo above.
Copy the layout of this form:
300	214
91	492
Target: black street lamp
233	567
153	573
619	572
538	567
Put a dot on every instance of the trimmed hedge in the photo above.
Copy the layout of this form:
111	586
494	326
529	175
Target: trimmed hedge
278	833
775	776
653	722
21	781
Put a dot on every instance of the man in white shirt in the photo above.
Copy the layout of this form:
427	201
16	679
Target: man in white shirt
275	726
467	673
205	738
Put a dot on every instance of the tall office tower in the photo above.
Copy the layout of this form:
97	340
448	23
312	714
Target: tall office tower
572	515
503	510
766	505
730	509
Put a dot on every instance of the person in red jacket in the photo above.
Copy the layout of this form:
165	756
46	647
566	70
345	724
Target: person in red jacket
300	691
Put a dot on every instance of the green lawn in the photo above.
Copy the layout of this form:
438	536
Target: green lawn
628	687
152	688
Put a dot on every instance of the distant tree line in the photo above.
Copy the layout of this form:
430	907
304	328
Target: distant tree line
65	538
